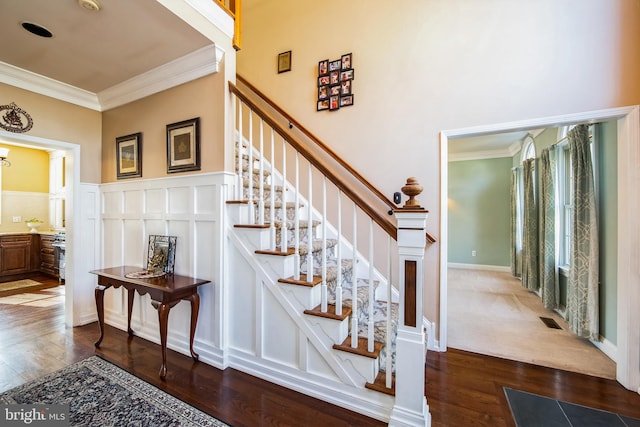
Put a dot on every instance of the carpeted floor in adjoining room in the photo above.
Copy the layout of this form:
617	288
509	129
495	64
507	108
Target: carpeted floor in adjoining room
491	313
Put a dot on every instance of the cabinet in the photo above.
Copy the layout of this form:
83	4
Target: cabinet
47	255
19	254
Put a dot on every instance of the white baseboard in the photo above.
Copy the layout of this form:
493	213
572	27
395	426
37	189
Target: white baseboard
502	268
607	347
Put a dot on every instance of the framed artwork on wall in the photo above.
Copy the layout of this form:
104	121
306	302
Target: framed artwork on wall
284	62
129	156
335	83
183	146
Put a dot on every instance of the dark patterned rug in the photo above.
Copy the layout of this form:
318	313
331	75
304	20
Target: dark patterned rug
99	393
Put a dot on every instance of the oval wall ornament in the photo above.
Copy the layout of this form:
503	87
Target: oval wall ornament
15	119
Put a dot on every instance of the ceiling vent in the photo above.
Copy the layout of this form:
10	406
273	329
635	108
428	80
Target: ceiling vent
91	5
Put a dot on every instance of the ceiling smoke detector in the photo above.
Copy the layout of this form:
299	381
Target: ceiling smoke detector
91	5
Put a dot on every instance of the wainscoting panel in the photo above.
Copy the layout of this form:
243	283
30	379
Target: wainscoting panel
189	207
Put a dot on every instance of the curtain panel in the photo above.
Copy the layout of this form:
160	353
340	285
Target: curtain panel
549	289
582	292
516	222
530	251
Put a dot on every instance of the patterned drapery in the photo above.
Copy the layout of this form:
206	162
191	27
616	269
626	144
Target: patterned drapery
549	289
530	250
582	292
516	225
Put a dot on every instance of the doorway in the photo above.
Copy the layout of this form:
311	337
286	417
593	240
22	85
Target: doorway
627	352
71	211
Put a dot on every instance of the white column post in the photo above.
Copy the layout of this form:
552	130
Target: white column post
411	407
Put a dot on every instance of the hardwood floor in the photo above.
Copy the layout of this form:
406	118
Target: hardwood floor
463	389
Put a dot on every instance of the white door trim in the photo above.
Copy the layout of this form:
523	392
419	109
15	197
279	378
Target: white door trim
628	270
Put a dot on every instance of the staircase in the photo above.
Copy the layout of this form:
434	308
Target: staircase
329	258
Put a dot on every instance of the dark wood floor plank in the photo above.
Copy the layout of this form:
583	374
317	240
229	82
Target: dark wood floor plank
463	389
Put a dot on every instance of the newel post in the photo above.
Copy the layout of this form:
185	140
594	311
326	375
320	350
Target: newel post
411	407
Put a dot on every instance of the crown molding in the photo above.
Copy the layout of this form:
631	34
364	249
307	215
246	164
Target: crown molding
23	79
199	63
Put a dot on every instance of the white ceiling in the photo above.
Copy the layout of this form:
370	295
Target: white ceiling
90	50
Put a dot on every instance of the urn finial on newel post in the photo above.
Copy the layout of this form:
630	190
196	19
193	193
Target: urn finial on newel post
412	188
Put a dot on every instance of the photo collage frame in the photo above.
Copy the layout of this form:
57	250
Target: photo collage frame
335	83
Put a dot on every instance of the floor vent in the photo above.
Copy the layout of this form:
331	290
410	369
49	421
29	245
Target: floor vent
550	323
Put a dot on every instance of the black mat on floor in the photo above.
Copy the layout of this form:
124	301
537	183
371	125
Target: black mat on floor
532	410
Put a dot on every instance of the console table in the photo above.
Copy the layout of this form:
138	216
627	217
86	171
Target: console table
165	292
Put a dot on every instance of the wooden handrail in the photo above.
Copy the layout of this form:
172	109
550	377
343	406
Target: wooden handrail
374	214
319	143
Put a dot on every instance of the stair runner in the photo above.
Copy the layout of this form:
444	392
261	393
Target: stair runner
380	307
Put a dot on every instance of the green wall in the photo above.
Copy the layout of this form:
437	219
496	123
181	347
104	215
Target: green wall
607	137
479	211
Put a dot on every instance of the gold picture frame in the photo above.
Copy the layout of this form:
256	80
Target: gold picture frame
284	62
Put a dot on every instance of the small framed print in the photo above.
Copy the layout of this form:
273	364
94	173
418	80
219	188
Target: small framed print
183	146
323	92
323	105
334	65
324	80
345	87
284	62
323	67
334	77
345	61
346	75
334	102
346	101
161	256
129	156
334	90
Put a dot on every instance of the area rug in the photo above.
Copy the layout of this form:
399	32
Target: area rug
9	288
532	410
100	393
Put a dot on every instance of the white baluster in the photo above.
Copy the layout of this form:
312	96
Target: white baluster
272	211
323	290
371	289
252	215
339	257
388	378
354	282
284	236
296	266
261	177
240	154
309	228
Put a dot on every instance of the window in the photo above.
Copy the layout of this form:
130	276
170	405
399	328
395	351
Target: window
528	149
565	191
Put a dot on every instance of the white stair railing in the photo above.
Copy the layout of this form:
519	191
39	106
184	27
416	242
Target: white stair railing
400	250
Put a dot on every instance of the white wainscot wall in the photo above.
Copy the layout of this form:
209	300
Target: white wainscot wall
190	207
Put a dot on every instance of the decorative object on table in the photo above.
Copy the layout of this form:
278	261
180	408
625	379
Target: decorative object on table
183	146
124	398
161	257
33	224
284	62
15	119
129	156
162	253
335	83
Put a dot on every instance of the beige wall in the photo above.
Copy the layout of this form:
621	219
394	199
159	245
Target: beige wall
426	66
200	98
61	121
